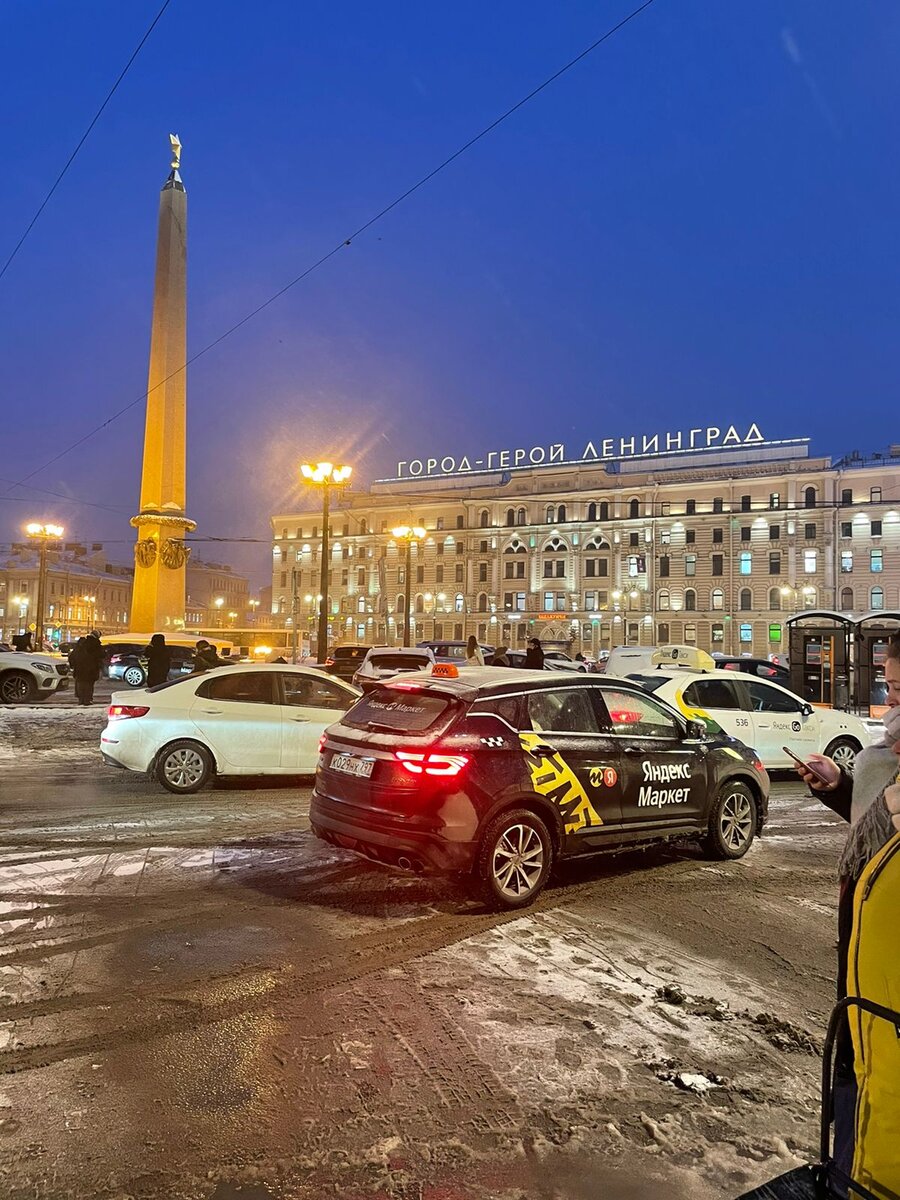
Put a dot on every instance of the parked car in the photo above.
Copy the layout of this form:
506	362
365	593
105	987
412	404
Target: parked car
344	661
454	652
31	678
384	662
763	668
517	659
131	666
264	719
497	775
761	714
565	661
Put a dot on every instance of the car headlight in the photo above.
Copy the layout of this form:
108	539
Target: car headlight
43	667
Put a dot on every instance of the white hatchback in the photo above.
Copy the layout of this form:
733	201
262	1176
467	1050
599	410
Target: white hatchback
761	714
384	662
259	719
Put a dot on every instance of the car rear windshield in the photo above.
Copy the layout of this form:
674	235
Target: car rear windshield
397	662
351	652
650	683
399	709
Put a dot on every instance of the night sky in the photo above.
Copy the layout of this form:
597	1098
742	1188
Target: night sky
696	225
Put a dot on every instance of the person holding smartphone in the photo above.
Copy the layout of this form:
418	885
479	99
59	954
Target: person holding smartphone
869	800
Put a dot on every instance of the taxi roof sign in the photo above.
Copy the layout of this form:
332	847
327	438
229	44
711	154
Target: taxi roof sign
445	671
683	656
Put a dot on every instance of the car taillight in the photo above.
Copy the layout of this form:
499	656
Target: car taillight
445	765
322	740
118	712
115	658
758	765
329	662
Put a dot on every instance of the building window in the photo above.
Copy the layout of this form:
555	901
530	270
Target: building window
775	563
596	568
718	564
361	577
846	529
810	561
775	599
484	519
745	503
690	635
603	512
847	599
774	500
438	574
774	533
439	525
876	598
514	570
745	602
482	572
459	604
876	529
420	574
550	514
592	511
665	537
663	600
634	508
810	531
664	508
874	498
690	507
521	517
634	539
846	561
482	602
745	533
664	566
717	504
690	564
460	573
846	497
510	516
690	536
718	632
746	562
876	560
717	537
717	600
690	600
809	497
746	632
460	523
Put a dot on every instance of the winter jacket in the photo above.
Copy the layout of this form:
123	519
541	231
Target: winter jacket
534	659
159	660
206	659
87	658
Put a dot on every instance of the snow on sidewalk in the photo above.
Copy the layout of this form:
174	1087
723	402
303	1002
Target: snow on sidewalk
42	733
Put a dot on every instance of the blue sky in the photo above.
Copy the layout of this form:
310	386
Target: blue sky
697	224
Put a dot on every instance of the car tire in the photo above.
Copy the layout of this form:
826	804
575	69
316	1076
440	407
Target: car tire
17	687
183	767
134	676
843	751
520	840
732	822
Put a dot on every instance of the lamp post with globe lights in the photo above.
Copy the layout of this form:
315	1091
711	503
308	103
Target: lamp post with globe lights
43	535
408	534
323	475
90	601
218	602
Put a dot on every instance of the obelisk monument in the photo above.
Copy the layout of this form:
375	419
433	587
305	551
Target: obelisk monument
160	554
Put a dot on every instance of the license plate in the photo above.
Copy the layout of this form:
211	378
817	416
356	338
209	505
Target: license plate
353	766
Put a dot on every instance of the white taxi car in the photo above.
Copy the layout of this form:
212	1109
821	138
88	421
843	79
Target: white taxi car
258	719
759	713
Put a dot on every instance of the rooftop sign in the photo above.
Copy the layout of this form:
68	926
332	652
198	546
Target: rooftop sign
656	445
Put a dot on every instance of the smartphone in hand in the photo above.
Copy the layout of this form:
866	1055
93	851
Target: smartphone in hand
811	767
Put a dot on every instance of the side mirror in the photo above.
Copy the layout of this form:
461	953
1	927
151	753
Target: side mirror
696	729
806	710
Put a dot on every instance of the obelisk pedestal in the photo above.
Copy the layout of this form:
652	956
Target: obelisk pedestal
160	554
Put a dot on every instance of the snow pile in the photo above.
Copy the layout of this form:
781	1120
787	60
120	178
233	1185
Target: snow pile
27	734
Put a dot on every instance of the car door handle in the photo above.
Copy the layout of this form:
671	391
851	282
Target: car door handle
301	720
634	750
211	711
542	750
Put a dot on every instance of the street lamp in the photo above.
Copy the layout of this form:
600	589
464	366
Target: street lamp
324	474
91	600
232	617
22	603
218	602
408	534
254	605
43	535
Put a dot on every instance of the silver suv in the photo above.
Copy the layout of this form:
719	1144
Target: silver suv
27	678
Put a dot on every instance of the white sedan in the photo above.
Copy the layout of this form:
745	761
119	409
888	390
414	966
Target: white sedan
259	719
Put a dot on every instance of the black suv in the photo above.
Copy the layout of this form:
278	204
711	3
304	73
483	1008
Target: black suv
344	661
499	773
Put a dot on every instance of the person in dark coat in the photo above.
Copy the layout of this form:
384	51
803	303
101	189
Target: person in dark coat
534	656
865	800
205	657
86	660
501	658
159	660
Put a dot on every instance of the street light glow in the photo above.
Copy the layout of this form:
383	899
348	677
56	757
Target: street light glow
36	529
325	472
408	532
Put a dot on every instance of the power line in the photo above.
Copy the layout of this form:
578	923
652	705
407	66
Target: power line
56	496
347	240
83	139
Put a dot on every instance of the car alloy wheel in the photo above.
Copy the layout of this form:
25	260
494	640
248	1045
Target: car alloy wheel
518	861
133	676
736	819
843	752
16	687
184	767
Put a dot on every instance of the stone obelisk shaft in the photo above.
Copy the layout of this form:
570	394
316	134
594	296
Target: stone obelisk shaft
160	554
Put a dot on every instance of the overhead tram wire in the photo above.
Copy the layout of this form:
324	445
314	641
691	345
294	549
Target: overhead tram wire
347	240
96	117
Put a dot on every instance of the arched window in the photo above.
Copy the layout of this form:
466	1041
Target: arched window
420	604
510	516
634	508
603	512
561	513
690	600
775	599
717	600
876	597
592	511
847	599
361	604
663	601
745	602
596	543
521	517
515	548
459	603
551	514
484	519
482	602
400	604
809	497
555	546
363	525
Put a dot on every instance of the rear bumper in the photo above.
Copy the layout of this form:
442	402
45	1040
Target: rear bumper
386	841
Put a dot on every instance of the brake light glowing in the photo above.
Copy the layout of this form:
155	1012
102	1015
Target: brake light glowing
119	712
626	717
758	765
329	662
443	765
322	740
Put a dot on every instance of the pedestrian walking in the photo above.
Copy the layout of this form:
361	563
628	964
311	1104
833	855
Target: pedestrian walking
159	660
501	658
866	799
205	657
86	660
474	654
534	656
